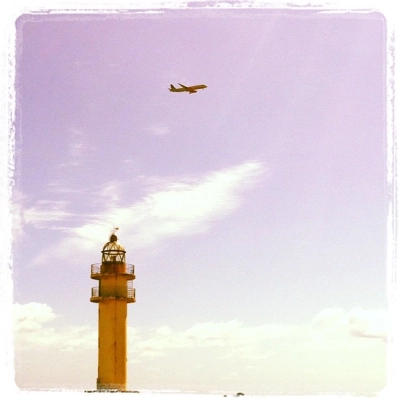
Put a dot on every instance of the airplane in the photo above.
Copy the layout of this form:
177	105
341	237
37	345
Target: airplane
189	89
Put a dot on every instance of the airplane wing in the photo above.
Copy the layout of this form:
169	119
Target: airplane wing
185	87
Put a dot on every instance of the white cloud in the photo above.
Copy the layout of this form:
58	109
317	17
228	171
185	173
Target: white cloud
331	329
180	206
69	339
233	338
30	317
369	323
171	207
356	322
31	330
215	194
304	354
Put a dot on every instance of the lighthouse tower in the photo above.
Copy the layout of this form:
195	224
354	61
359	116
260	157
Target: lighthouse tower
113	294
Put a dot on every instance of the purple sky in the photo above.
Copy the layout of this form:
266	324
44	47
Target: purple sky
254	210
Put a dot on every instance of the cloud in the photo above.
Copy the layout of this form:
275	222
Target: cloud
30	317
210	196
229	346
110	193
170	207
332	328
31	330
46	213
159	129
76	147
232	338
179	206
236	339
42	214
368	323
224	349
356	322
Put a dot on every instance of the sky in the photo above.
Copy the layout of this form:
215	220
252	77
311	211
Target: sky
255	211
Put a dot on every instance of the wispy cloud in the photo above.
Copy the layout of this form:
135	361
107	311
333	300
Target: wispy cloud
45	213
158	129
40	214
170	207
180	206
110	194
77	148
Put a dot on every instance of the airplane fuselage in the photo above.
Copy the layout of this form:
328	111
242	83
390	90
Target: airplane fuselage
189	89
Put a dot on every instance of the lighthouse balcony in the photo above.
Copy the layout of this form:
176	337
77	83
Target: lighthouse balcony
97	271
120	293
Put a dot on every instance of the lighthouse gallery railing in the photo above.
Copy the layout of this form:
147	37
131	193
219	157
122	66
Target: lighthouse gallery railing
128	269
130	293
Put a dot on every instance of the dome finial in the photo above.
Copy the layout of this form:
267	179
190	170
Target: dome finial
113	236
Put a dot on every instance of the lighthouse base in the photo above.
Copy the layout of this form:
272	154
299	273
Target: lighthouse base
110	387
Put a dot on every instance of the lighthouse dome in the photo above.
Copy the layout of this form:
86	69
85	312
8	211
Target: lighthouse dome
113	251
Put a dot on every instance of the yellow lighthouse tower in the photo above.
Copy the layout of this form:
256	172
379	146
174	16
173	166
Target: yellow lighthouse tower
113	294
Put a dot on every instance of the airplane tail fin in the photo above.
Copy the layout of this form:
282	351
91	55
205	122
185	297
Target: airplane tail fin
172	88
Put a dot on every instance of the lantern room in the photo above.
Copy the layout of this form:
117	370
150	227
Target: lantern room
113	252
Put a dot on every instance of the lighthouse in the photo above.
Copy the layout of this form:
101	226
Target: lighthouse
113	294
